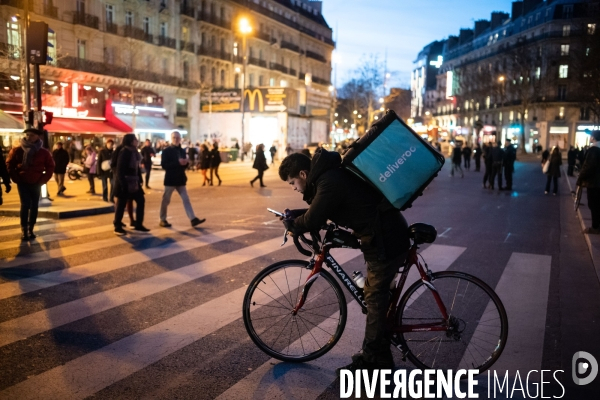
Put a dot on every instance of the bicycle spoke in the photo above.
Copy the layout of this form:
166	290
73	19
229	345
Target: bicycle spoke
277	301
270	316
318	315
311	334
286	324
316	326
288	285
270	306
300	336
280	291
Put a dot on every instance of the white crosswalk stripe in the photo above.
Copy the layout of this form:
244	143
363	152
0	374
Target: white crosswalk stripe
99	369
57	236
44	227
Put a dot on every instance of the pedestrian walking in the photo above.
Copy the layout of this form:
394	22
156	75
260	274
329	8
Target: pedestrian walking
215	161
246	148
174	162
466	152
105	169
487	164
30	166
147	153
456	160
4	175
477	157
571	160
129	201
545	156
260	164
589	178
510	156
288	149
72	150
273	151
205	156
90	168
128	184
61	160
553	172
192	153
497	156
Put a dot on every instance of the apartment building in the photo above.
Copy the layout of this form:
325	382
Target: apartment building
151	66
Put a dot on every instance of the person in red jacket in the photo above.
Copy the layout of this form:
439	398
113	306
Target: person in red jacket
30	166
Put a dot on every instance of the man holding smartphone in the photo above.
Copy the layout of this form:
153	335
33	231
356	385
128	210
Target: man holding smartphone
174	161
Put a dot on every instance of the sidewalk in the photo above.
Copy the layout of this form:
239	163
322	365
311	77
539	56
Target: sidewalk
585	219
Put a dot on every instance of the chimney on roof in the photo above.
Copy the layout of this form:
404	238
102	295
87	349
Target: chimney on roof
529	5
465	36
498	19
452	42
480	26
517	9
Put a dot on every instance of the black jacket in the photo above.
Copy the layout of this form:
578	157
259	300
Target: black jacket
466	153
61	160
215	158
122	168
336	194
205	157
147	153
477	153
510	156
497	155
456	155
260	161
589	176
103	155
174	172
572	156
555	163
3	172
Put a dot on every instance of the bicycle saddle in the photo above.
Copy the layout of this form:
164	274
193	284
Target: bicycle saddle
422	233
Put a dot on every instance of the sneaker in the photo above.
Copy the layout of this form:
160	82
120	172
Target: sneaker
119	231
197	221
141	228
164	224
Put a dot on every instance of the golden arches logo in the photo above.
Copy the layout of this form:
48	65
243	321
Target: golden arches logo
252	99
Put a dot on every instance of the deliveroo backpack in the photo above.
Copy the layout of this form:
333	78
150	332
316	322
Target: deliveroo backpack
395	160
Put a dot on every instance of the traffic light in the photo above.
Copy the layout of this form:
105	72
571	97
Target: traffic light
37	42
48	117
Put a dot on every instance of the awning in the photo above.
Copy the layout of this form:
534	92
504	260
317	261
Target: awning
149	124
82	126
9	124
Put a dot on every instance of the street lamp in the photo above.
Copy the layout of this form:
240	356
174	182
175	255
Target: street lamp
245	29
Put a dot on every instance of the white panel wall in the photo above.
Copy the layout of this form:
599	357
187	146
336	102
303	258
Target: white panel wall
298	133
318	131
220	127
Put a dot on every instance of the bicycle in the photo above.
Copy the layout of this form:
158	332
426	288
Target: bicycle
445	320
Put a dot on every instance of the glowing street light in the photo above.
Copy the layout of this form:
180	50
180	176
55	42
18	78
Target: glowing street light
381	100
354	112
359	116
244	26
345	121
501	78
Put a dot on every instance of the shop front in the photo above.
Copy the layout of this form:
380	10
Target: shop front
10	131
582	134
558	136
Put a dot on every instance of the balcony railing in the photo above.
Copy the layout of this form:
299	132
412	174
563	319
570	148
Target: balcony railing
256	61
213	19
50	11
279	67
290	46
134	32
263	36
181	113
167	42
320	81
293	72
86	19
315	56
112	28
186	46
187	11
215	53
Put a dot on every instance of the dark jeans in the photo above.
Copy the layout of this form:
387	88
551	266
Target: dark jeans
467	163
91	178
496	170
570	169
105	193
29	194
215	171
139	208
259	177
477	164
555	180
376	346
487	173
508	173
593	199
148	168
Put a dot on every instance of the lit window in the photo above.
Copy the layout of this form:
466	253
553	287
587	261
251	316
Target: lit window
563	71
566	30
163	29
564	49
110	14
561	112
591	29
14	39
52	49
81	49
511	115
272	82
129	18
538	73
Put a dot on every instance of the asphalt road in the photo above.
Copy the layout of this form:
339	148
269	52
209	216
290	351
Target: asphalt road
86	314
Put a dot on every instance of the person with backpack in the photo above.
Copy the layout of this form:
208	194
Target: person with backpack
215	161
113	169
456	160
589	177
105	169
334	193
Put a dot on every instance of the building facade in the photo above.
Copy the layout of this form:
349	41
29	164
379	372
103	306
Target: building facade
523	76
156	65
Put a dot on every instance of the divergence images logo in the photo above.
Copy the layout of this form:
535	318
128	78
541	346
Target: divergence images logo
581	367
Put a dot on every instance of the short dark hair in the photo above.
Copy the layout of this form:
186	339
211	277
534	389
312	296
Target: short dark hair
596	135
110	141
128	139
292	165
34	131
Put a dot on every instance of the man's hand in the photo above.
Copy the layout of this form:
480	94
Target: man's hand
183	161
7	187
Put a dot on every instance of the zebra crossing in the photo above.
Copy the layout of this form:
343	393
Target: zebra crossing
131	353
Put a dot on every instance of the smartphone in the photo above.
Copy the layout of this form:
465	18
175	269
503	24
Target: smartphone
275	212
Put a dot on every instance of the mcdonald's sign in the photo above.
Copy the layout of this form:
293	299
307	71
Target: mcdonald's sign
251	102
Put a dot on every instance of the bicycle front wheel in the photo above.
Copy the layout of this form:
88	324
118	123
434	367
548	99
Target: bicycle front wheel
267	312
477	325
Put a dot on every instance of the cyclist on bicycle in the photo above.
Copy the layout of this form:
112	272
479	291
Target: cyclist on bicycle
336	194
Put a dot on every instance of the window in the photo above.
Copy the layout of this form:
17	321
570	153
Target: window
236	81
81	49
538	73
181	106
260	80
591	29
128	18
222	83
235	49
587	51
146	25
511	115
110	14
562	92
213	77
165	66
202	73
564	49
81	6
561	112
186	71
14	39
52	49
563	71
251	80
185	33
566	30
568	11
163	29
272	82
109	55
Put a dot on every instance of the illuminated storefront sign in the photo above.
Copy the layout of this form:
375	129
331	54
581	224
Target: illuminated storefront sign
588	127
449	80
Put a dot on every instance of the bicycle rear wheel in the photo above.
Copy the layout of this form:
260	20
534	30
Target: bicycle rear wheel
478	325
268	304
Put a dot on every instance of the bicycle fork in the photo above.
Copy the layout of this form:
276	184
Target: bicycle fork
314	274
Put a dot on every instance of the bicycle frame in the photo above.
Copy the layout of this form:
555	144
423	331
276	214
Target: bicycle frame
324	257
